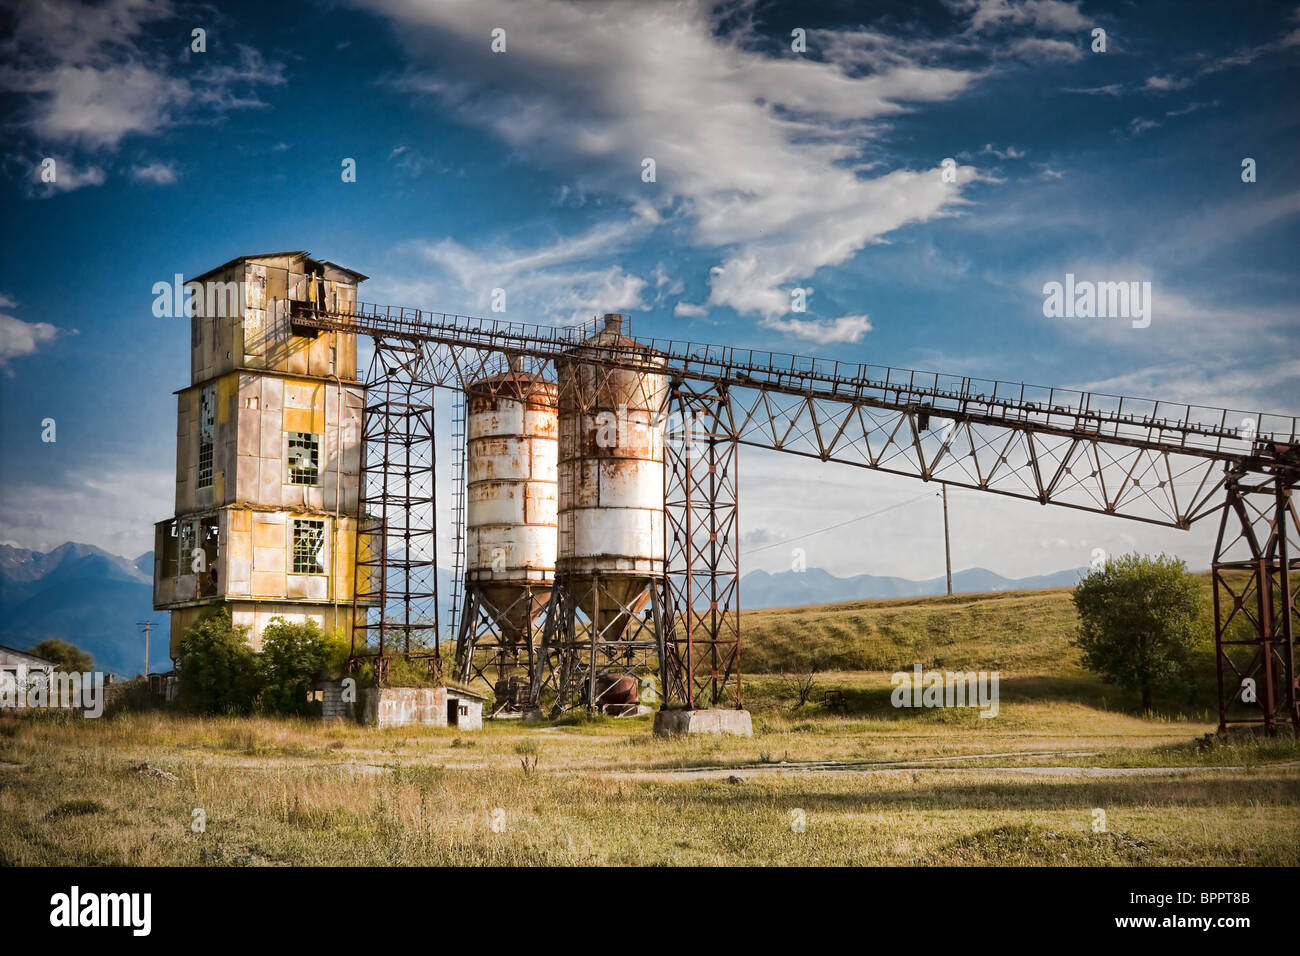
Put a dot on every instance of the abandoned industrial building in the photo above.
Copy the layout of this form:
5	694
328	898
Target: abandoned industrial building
595	500
268	457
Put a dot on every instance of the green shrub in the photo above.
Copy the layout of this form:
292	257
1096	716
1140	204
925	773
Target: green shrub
408	673
67	657
219	672
337	650
293	657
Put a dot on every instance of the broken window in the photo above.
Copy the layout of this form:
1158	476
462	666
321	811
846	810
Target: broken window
308	546
187	549
168	543
210	542
207	433
304	458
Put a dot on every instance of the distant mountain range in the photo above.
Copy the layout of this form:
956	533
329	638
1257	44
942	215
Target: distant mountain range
760	589
86	596
93	599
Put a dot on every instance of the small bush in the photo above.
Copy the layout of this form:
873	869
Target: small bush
219	672
337	650
67	657
293	656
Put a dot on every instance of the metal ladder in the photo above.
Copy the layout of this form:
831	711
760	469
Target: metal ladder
458	510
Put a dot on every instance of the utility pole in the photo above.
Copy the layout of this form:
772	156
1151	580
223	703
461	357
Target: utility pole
148	624
947	548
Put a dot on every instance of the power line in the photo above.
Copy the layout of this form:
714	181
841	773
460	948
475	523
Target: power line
777	544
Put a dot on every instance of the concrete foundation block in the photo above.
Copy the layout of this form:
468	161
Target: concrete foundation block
736	723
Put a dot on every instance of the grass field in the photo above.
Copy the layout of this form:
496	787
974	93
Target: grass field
874	786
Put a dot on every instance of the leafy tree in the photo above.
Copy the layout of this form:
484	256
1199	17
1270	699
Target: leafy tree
1139	621
219	672
337	649
67	657
293	656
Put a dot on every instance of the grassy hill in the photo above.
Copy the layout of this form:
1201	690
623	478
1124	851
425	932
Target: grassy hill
1026	631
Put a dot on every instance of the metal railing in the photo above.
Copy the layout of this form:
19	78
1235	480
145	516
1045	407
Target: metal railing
1222	432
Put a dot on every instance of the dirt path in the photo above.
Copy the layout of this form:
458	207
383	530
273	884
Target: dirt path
929	766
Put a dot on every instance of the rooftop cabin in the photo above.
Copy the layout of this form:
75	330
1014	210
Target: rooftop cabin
222	339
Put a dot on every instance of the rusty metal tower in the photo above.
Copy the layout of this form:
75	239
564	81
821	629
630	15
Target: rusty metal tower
395	599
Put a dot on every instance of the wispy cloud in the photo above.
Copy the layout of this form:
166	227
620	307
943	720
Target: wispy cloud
795	203
19	338
566	279
92	74
161	174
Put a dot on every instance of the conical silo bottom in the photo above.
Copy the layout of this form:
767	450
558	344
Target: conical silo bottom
515	609
620	598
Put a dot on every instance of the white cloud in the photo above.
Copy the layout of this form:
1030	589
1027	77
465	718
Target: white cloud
786	497
107	506
163	174
1110	89
68	175
846	328
567	280
1043	48
1047	15
91	75
18	338
98	106
754	152
1165	84
1210	382
1011	152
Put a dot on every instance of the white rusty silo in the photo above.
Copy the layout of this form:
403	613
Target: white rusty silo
510	522
611	477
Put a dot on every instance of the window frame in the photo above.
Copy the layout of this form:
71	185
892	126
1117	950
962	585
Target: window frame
323	548
206	460
317	441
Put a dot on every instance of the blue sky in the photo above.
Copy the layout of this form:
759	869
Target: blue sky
775	170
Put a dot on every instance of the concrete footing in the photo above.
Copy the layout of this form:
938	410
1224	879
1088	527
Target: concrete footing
736	723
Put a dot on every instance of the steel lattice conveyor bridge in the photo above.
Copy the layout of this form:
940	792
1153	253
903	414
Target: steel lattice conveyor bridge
1159	462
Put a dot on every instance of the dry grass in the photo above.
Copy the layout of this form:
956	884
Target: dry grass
302	793
908	787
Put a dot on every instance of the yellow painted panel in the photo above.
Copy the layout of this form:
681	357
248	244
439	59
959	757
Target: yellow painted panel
241	545
298	420
227	388
266	535
241	520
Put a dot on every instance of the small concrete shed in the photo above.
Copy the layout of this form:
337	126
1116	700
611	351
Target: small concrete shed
448	706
